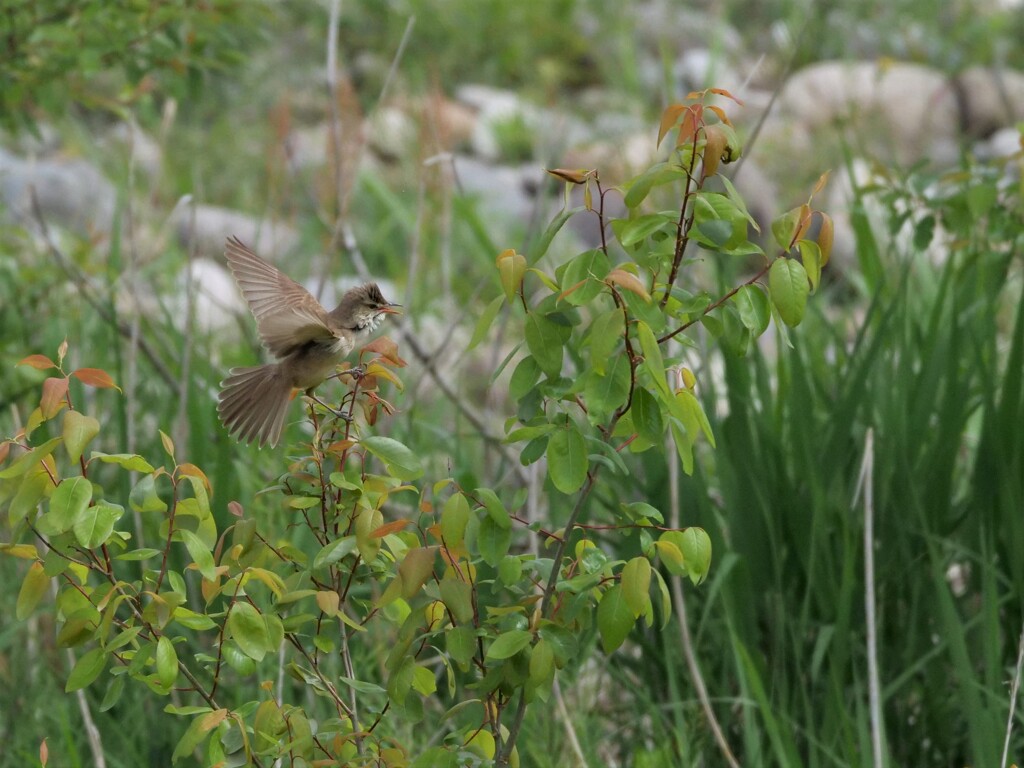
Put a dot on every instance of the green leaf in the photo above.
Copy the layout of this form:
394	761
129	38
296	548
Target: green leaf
666	598
653	362
567	459
190	740
400	681
86	669
684	445
483	325
31	491
400	461
647	417
248	630
605	392
416	567
510	570
166	662
696	549
461	644
788	285
639	229
545	340
523	378
810	255
143	497
495	509
114	690
334	551
361	686
693	416
614	618
753	307
199	552
24	463
454	517
544	242
587	271
658	174
32	590
128	461
669	550
636	585
492	540
79	430
605	336
457	596
509	643
68	503
785	226
542	663
96	523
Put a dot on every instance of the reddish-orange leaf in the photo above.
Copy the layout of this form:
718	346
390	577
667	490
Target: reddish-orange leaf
236	509
213	719
669	118
696	95
568	291
723	92
5	448
820	185
803	225
721	114
569	175
55	389
94	377
714	149
193	471
42	362
44	753
628	281
387	349
393	527
693	121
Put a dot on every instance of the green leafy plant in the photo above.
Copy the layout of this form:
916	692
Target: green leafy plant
477	625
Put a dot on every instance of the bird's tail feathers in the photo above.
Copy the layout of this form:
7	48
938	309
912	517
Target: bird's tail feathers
253	403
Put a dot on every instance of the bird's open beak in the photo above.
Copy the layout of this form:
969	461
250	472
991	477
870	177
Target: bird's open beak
392	309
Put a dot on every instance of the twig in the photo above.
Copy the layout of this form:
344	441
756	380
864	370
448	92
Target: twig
865	481
549	591
570	732
1014	690
181	423
91	731
679	605
85	290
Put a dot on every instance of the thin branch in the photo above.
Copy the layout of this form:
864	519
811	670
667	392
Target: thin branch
549	590
865	482
86	292
679	605
714	305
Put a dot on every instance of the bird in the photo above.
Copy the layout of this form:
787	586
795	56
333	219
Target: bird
307	340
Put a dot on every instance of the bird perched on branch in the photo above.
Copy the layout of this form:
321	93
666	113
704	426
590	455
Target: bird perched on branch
307	340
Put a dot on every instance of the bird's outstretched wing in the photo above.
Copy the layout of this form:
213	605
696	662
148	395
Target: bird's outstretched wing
286	314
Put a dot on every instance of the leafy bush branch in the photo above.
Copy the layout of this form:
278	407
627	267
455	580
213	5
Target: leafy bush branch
388	601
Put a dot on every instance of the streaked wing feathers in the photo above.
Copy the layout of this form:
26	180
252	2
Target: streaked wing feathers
286	314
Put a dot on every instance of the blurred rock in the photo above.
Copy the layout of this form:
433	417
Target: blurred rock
505	193
212	225
900	113
72	193
142	149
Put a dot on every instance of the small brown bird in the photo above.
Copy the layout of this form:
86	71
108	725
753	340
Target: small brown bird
307	340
